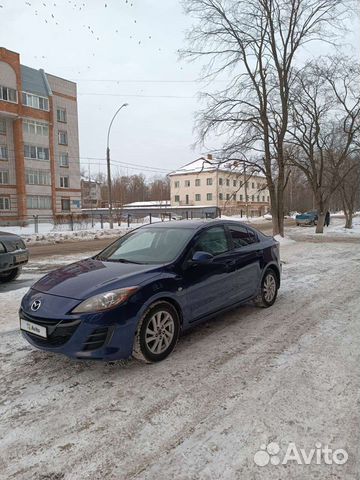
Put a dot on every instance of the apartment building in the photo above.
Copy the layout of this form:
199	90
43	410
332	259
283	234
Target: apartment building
205	182
39	142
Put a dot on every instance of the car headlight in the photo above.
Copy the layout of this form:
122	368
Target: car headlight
2	248
105	301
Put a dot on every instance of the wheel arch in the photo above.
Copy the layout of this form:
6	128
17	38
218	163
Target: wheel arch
275	268
172	302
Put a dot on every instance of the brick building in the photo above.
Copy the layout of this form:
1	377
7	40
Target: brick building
39	143
206	182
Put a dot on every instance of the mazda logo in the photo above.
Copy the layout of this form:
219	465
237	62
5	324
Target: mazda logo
35	305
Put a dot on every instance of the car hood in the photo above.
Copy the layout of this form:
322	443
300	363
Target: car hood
89	277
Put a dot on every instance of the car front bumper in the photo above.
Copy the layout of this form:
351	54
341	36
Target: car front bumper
83	339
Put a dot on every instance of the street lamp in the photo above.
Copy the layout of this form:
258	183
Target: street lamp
108	165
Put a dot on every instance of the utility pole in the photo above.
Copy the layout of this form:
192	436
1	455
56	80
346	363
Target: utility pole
246	192
109	168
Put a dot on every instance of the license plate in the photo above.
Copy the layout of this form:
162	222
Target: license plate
33	328
22	257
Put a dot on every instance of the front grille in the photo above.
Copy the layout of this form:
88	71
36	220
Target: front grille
96	339
59	331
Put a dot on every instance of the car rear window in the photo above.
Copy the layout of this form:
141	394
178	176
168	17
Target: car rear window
242	236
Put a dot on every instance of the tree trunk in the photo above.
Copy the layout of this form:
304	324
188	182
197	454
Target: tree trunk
348	218
320	223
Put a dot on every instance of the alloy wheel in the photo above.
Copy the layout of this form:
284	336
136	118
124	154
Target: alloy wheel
159	332
269	287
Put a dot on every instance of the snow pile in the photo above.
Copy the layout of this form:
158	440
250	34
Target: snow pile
336	228
61	237
284	240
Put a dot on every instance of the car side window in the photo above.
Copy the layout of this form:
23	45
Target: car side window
241	236
213	240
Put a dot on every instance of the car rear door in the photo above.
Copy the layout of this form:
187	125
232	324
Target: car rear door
247	256
211	286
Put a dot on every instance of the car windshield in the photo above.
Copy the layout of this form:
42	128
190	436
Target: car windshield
148	245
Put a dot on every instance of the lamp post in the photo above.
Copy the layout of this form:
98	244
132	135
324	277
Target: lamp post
108	165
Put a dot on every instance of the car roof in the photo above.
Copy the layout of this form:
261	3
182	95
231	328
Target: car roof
191	224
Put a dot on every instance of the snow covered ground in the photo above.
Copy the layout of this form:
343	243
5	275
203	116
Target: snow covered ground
285	374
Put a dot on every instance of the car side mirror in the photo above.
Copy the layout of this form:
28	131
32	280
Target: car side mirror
202	257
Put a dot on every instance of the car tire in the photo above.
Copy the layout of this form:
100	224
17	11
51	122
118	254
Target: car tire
10	275
157	333
269	289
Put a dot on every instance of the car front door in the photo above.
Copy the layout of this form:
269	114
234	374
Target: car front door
210	286
247	255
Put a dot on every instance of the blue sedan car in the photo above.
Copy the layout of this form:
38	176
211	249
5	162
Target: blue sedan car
137	295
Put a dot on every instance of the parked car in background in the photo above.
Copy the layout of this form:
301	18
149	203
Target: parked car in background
13	255
137	295
307	218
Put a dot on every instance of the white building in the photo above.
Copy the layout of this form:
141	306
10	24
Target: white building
206	182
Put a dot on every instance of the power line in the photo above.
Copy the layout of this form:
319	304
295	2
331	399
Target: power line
134	95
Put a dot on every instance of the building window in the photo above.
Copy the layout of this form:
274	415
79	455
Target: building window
197	182
258	198
234	183
36	128
4	203
65	204
227	182
4	177
263	198
209	196
197	197
187	183
36	153
2	126
177	198
241	197
8	94
234	197
220	181
35	101
38	202
62	137
268	198
38	177
64	182
221	196
177	184
253	185
61	115
252	198
209	181
3	152
227	196
64	159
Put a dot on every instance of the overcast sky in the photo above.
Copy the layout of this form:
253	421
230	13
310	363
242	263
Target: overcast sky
117	51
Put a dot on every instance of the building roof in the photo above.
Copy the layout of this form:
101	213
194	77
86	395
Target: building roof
151	203
205	164
34	81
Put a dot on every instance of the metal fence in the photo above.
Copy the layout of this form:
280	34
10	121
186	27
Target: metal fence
37	224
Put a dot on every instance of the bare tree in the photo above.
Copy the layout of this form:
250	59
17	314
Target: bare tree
253	45
350	189
325	126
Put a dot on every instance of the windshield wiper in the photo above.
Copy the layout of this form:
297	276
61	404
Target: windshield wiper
121	260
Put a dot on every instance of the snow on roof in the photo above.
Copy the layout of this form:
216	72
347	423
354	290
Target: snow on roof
151	203
204	164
